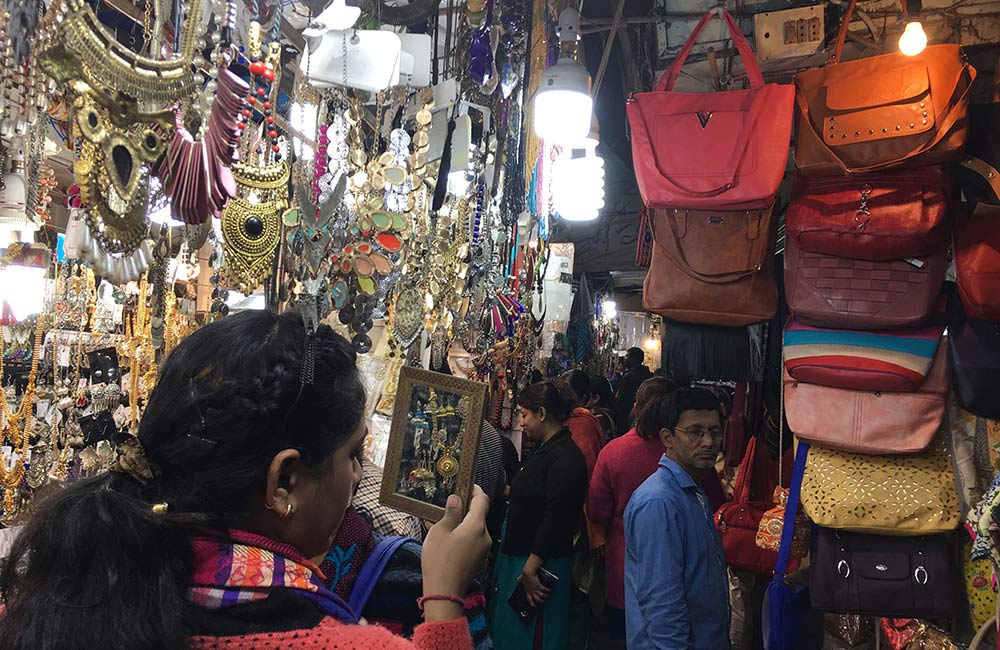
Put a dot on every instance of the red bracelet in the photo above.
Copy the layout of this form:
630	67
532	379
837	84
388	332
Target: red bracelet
452	599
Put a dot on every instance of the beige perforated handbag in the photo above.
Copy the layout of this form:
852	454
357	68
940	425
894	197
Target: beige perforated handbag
885	495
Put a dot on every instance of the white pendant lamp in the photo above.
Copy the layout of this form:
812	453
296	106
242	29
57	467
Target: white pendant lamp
578	183
563	106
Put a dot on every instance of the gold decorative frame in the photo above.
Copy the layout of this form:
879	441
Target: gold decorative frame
475	392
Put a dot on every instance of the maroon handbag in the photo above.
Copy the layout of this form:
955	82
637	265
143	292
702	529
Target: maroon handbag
739	519
827	291
724	150
882	216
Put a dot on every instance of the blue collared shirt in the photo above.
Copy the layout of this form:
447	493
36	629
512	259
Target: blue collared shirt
676	585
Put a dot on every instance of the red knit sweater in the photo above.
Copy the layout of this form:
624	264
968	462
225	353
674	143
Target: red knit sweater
586	431
329	634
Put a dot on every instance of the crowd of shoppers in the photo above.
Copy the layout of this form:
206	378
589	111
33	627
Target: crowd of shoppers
242	516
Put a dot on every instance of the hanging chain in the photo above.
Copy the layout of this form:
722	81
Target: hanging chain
147	28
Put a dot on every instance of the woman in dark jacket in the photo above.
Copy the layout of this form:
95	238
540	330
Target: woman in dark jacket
544	513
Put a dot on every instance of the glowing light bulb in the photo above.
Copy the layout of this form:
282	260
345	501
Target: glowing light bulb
914	40
563	107
610	309
578	184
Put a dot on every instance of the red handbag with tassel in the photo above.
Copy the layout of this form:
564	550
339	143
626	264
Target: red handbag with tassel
739	519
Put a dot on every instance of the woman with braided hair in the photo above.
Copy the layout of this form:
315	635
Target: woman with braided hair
244	464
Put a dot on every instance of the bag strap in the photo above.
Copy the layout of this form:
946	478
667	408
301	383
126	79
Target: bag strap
978	643
372	570
791	510
741	491
681	260
938	134
670	76
989	173
838	50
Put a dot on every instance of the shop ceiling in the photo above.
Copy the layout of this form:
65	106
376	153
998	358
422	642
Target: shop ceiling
788	36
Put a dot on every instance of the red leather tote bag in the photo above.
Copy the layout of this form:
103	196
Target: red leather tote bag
977	261
884	216
725	150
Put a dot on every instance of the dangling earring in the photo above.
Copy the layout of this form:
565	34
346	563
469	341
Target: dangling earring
288	511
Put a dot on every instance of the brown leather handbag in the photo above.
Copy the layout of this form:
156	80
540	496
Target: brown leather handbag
827	291
977	260
884	111
712	267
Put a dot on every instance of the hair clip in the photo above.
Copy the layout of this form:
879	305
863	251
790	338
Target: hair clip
309	309
197	406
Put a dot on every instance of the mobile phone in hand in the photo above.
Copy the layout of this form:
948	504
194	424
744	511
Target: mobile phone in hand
518	600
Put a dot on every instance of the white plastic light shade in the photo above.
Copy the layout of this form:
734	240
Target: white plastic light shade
914	39
563	107
578	185
23	288
609	309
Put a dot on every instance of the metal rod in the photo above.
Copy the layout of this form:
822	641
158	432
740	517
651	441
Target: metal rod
606	55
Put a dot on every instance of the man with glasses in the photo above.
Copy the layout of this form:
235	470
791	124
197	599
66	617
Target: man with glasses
676	586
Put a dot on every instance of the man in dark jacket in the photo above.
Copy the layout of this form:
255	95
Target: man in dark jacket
635	373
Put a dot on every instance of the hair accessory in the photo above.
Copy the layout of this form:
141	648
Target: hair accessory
161	508
309	309
132	460
197	406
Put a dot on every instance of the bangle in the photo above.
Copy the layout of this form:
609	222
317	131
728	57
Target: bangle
452	599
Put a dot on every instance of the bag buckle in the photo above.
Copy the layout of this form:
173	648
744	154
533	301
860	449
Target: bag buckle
844	569
862	216
920	575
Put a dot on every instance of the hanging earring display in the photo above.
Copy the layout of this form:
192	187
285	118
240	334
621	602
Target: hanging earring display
388	195
407	316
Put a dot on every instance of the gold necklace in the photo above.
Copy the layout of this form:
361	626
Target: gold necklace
11	478
76	32
62	455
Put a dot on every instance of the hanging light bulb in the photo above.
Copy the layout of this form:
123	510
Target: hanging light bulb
578	184
563	105
609	309
914	39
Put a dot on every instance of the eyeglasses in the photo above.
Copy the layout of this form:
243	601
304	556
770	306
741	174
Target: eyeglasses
699	432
